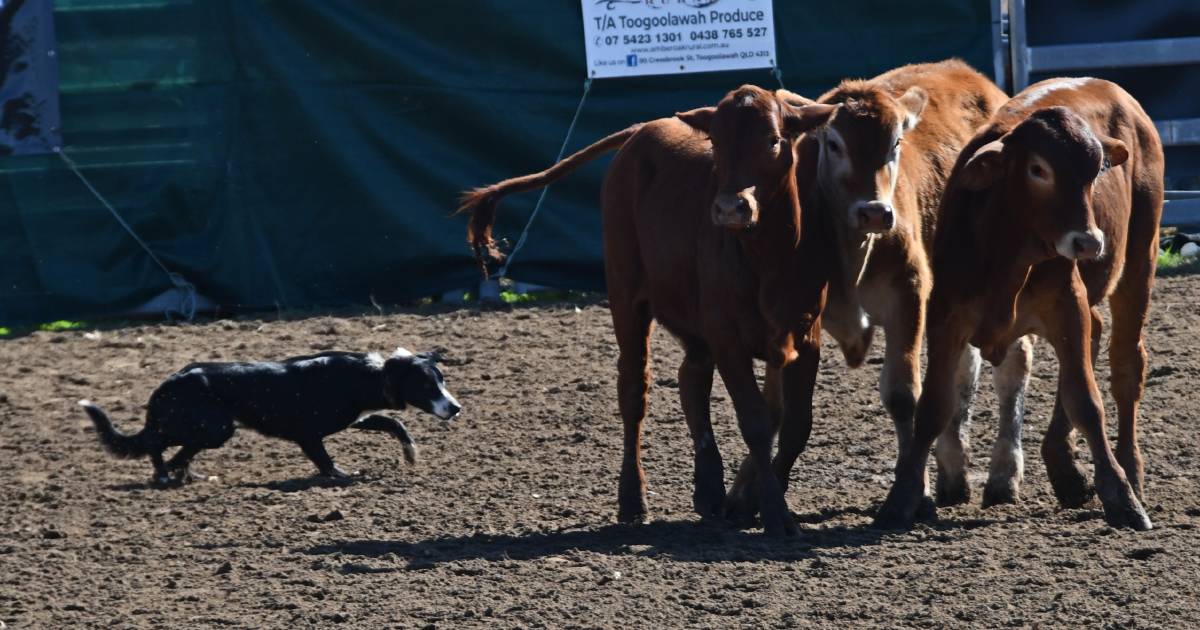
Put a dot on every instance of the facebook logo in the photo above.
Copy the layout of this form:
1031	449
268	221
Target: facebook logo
631	60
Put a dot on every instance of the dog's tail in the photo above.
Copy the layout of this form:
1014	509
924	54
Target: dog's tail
115	442
480	203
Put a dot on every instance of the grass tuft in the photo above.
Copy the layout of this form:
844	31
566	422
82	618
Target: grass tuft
1174	264
60	325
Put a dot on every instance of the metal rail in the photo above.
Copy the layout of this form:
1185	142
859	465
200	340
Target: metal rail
1012	53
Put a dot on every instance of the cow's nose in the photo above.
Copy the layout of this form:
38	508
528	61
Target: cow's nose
875	216
1086	246
732	210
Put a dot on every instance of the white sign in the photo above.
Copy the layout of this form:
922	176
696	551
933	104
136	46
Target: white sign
639	37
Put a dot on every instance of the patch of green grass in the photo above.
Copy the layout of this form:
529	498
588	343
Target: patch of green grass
61	325
1177	265
542	297
512	297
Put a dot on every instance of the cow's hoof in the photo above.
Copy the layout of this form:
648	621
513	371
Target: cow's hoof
952	489
709	502
1001	492
1070	485
741	506
633	512
779	524
1121	507
1128	516
903	506
926	510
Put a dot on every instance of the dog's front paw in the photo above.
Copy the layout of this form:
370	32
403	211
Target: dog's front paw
338	473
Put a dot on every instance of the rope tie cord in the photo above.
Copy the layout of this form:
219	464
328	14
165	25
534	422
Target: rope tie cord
587	87
778	74
187	303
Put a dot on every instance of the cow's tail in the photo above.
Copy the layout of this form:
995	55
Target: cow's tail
119	444
480	203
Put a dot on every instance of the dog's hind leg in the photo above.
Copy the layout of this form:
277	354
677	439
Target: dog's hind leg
161	478
314	448
376	422
180	465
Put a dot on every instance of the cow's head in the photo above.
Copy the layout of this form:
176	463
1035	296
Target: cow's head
860	152
753	133
1043	171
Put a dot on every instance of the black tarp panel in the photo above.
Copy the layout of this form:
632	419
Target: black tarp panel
308	152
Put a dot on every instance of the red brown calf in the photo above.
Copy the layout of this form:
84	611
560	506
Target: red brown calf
1051	208
728	295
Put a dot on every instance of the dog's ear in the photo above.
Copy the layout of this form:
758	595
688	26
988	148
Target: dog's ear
433	356
395	370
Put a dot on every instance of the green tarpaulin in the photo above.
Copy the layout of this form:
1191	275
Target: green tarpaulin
307	152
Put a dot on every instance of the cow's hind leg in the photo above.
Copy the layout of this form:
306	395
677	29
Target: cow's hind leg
951	450
1130	303
695	390
632	323
1081	400
1007	469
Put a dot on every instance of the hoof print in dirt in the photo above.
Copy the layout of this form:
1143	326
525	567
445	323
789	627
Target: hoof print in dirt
328	517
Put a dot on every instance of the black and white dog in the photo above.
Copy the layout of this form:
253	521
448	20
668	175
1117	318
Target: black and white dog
302	399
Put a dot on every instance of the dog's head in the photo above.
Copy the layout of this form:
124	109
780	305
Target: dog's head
414	379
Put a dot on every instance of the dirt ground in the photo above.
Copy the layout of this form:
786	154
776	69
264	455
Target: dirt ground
508	519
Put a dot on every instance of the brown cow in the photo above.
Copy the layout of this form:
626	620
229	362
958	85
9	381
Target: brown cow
883	161
1051	208
728	295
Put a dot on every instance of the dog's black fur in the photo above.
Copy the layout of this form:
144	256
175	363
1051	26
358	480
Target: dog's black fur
302	399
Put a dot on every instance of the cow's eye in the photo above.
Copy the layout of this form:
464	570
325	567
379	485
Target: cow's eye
834	147
1037	171
774	143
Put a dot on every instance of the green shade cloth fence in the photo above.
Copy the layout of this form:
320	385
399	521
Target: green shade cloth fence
306	152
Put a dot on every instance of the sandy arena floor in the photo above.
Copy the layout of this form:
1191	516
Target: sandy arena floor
508	519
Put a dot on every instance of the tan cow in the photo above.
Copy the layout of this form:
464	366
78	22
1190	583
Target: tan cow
1052	207
883	163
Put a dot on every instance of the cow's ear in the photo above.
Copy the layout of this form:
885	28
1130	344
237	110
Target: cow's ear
1115	151
792	98
699	119
913	101
797	120
984	168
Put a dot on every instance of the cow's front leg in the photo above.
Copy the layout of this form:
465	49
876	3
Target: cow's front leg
755	424
909	496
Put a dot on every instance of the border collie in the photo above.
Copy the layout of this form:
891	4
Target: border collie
302	399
